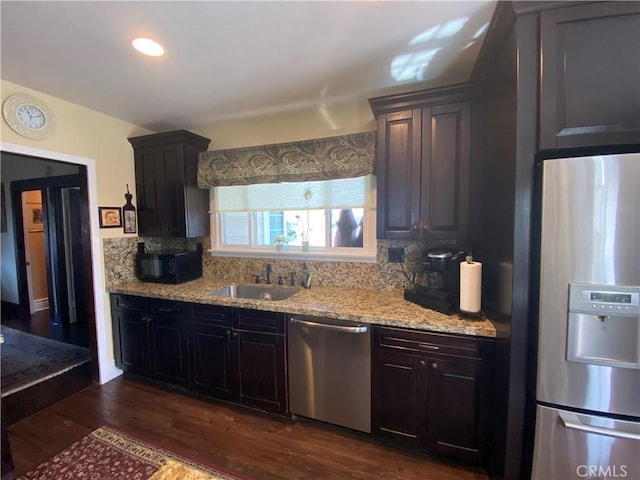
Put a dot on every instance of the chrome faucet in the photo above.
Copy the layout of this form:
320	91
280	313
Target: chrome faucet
268	273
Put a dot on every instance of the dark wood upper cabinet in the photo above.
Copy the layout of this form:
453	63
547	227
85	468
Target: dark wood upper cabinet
169	202
590	90
422	163
445	177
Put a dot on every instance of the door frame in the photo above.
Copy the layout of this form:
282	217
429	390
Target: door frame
106	368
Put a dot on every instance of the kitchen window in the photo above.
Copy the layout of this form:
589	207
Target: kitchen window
334	218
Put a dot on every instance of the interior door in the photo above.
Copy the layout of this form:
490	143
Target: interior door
76	288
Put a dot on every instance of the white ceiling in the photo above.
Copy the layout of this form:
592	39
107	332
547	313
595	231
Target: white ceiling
235	59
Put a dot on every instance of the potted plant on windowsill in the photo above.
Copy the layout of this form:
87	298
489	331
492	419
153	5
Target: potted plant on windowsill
280	241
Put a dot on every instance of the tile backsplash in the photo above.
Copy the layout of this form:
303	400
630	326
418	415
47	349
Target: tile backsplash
119	261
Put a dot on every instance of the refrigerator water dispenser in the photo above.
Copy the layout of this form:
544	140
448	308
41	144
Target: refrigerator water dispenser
604	325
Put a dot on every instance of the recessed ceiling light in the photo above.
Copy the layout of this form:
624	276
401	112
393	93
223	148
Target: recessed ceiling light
148	47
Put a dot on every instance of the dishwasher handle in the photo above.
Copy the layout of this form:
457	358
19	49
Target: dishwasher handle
335	328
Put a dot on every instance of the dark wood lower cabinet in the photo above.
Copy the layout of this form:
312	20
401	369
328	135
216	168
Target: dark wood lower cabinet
150	339
168	350
259	359
210	355
400	394
260	377
209	333
454	406
131	336
431	391
221	352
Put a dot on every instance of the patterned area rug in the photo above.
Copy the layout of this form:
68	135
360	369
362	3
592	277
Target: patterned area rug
110	454
28	359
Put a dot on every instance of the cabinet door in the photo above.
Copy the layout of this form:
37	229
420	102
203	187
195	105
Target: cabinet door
398	171
454	406
168	347
399	388
133	341
174	190
446	140
590	75
210	359
259	377
160	190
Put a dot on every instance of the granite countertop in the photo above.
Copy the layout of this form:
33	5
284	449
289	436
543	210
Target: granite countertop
382	307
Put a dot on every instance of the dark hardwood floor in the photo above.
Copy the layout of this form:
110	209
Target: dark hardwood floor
254	444
39	324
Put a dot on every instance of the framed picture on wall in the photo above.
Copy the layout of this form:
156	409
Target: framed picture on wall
110	217
34	217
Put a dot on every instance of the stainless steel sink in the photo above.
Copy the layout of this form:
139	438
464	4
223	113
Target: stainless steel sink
255	292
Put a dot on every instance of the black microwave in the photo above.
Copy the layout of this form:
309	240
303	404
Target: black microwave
176	267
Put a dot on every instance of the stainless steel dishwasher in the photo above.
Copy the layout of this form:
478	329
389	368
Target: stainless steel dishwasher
330	371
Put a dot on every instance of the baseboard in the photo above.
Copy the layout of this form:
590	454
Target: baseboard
40	304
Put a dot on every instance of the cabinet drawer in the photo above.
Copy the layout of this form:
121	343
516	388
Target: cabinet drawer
258	321
404	340
138	304
164	306
212	314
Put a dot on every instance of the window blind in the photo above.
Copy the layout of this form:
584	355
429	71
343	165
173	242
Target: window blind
358	192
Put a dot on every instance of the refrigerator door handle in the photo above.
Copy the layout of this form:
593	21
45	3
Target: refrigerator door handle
571	420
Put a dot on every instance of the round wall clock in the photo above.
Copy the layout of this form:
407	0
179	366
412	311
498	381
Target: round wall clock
29	116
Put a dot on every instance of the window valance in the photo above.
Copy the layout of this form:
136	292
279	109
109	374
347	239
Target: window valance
345	156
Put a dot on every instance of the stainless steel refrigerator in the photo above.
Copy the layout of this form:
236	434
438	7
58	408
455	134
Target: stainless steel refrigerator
588	346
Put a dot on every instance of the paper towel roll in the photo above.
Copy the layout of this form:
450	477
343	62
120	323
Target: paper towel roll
470	286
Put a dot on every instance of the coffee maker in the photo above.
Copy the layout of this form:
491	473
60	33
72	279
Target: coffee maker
441	279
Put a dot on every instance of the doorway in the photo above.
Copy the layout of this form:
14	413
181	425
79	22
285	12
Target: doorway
53	253
103	365
56	223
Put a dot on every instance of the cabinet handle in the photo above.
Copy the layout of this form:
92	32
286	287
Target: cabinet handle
422	363
165	310
235	334
434	365
415	227
428	346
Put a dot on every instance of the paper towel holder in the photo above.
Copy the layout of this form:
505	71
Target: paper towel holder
470	304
